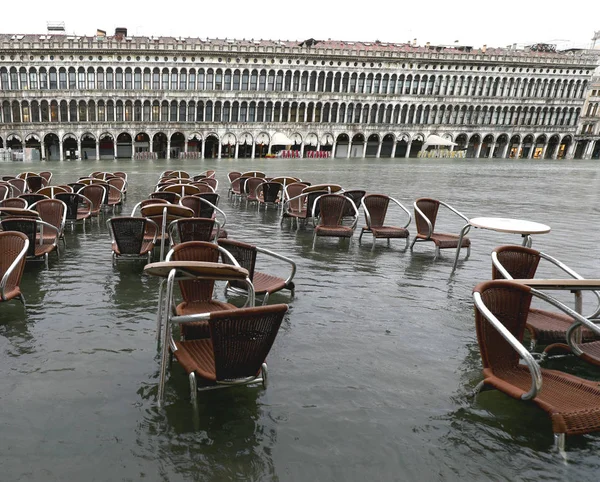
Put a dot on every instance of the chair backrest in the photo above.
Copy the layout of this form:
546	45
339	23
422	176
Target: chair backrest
14	202
332	207
32	198
35	183
202	207
197	289
72	201
211	197
95	193
121	174
356	195
211	181
51	191
27	226
271	191
195	229
430	208
47	175
377	206
233	175
294	189
242	339
53	211
129	233
203	187
170	197
12	244
117	182
251	185
245	255
520	262
5	191
510	304
18	184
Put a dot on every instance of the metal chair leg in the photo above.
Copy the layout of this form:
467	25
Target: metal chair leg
265	375
193	389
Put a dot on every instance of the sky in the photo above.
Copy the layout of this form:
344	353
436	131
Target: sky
470	22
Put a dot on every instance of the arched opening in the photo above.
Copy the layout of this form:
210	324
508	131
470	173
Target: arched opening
262	144
342	146
141	142
372	146
402	146
159	145
461	142
486	148
552	149
14	143
124	146
564	147
387	145
326	143
195	143
107	146
70	150
52	148
310	142
528	146
416	145
357	147
580	148
501	144
88	146
245	146
33	148
177	144
538	148
228	143
473	145
514	149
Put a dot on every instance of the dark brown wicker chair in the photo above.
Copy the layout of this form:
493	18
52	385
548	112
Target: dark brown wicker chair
35	183
51	191
236	350
501	309
13	250
171	197
545	327
6	191
375	207
19	186
300	207
426	212
269	193
193	229
250	188
164	214
14	202
95	193
43	237
332	208
79	208
32	198
264	284
54	212
132	237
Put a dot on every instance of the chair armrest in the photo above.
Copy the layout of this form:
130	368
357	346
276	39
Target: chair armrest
534	368
403	208
422	214
282	258
455	211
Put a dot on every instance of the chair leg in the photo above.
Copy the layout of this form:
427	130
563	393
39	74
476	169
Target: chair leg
559	443
362	230
406	246
193	389
413	243
21	298
265	299
265	375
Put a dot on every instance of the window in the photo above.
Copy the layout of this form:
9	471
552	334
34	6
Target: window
23	76
146	80
227	85
253	80
128	111
262	80
33	79
119	112
62	79
110	112
14	79
156	80
201	80
137	80
110	79
72	79
4	79
155	112
119	85
174	80
101	112
165	80
81	80
209	80
128	80
182	80
219	80
192	80
100	78
52	79
91	79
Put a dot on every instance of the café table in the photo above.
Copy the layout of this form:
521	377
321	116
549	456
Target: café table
502	225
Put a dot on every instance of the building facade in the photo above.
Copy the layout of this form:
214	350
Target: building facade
65	97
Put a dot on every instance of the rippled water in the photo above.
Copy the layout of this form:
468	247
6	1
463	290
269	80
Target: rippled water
369	377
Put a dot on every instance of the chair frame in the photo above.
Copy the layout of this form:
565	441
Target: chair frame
314	215
39	235
430	225
18	263
148	255
367	228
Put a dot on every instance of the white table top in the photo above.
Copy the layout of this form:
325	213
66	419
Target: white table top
507	225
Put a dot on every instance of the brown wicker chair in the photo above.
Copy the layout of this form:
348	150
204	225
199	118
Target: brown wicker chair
35	183
51	191
164	214
19	186
193	229
54	212
13	202
32	197
250	188
132	237
501	309
6	191
47	175
426	212
375	207
300	207
235	352
79	208
43	237
269	193
13	250
95	193
264	284
545	327
332	209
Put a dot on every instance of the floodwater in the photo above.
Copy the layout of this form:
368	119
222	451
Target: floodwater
370	375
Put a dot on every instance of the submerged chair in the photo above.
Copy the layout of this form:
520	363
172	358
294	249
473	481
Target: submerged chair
19	186
13	202
269	193
264	284
79	208
375	207
132	237
13	249
193	229
545	327
332	209
501	309
54	212
32	198
300	207
171	197
43	237
426	211
95	193
35	183
164	214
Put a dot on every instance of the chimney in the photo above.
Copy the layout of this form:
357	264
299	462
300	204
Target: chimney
484	48
427	45
120	32
100	33
414	42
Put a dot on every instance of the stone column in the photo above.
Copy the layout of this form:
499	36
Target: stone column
492	149
571	150
394	149
544	149
505	150
79	148
43	149
60	149
168	148
220	147
587	153
349	148
555	152
185	145
98	150
203	156
333	147
253	154
132	148
408	146
115	147
478	150
378	155
302	149
518	153
237	150
531	150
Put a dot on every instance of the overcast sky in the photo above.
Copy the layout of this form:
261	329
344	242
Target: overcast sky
471	22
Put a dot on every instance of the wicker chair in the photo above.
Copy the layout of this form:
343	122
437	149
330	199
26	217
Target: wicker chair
19	186
95	193
193	229
545	327
13	202
264	284
43	237
164	214
6	191
32	198
426	212
332	209
234	353
79	208
51	191
269	193
35	183
375	207
54	212
171	197
501	309
250	188
13	250
357	196
300	207
132	237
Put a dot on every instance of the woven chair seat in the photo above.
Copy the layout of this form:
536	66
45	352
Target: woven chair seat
572	403
194	307
388	232
548	327
42	249
10	294
147	246
266	283
445	240
335	231
197	356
